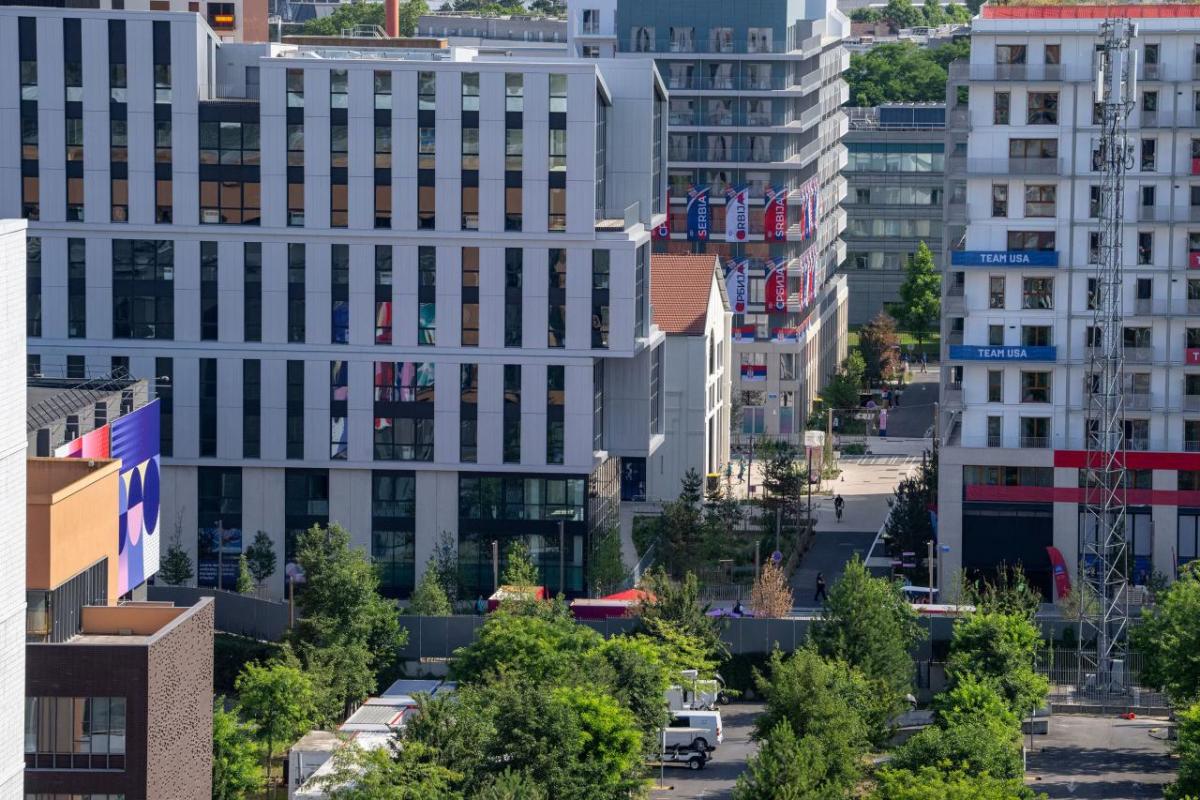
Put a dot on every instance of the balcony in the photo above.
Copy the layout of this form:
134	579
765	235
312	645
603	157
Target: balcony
755	155
1191	446
954	337
953	394
1026	72
1015	166
1191	402
1032	442
1139	355
660	45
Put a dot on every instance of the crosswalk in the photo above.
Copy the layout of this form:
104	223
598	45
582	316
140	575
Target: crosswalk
879	460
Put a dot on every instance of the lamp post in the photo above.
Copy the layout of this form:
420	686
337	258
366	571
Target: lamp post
562	515
220	526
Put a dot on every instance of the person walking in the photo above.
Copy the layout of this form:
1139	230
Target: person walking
883	415
838	505
924	362
480	605
820	596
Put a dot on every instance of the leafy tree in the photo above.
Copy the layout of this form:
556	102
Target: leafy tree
958	13
445	561
639	671
903	72
866	15
452	731
818	699
176	566
540	648
930	783
902	14
771	595
722	512
235	770
509	785
519	569
1006	592
607	569
785	768
980	745
350	15
347	633
429	597
855	368
1169	639
261	556
550	8
677	617
921	293
841	391
999	649
1188	749
880	343
868	623
972	699
245	579
279	701
691	487
934	14
909	527
407	773
955	49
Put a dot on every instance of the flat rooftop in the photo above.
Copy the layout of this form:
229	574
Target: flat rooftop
130	624
1065	9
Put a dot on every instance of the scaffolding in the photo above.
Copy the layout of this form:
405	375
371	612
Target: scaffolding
1104	554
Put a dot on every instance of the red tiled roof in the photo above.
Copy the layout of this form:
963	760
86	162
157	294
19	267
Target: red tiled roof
679	290
1098	11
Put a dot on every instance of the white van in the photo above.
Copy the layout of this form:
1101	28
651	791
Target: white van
697	730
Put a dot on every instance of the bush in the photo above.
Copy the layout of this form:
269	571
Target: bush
231	653
982	745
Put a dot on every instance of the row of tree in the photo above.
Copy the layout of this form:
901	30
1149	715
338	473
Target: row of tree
903	14
902	72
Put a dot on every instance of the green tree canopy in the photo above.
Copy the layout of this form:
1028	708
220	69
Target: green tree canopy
896	72
245	581
429	597
879	343
1188	749
235	770
1169	639
999	649
866	15
934	14
786	768
350	15
539	647
678	619
176	566
931	783
261	556
279	702
921	293
408	773
519	569
903	14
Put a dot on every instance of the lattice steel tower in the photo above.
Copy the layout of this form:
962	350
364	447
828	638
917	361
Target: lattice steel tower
1104	557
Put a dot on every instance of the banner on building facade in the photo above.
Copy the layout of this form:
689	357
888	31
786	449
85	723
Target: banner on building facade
736	285
754	373
737	214
663	230
775	218
697	215
775	291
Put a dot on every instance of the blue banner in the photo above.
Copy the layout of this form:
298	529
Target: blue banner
1004	258
698	219
970	352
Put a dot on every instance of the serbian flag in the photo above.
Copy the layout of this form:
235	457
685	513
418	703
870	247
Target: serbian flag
811	205
775	221
754	373
737	215
786	335
775	291
1062	579
697	215
743	333
812	281
736	285
663	231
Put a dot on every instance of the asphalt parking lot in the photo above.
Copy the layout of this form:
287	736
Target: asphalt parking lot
718	776
1101	758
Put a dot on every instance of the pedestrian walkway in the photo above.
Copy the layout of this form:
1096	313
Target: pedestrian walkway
1101	758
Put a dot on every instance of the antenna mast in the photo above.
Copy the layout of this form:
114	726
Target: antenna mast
1104	560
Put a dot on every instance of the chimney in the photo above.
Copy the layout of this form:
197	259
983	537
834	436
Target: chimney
391	18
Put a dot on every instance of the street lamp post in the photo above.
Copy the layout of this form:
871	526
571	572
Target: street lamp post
220	526
562	514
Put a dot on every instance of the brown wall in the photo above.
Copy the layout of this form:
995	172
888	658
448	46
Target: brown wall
254	21
71	520
138	619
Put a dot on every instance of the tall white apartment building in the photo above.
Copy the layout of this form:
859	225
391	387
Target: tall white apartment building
12	487
756	91
1020	288
406	290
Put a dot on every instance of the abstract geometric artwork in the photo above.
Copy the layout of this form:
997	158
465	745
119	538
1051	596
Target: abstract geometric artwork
135	440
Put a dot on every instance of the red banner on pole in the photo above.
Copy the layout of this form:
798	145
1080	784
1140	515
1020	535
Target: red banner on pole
1062	579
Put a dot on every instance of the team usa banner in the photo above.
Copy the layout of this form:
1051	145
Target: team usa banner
775	291
698	219
736	282
775	215
737	214
663	231
810	208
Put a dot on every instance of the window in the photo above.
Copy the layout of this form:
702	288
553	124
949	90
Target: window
1145	248
1053	54
1010	54
995	335
1035	432
252	291
1040	200
557	220
656	390
339	395
227	202
996	291
383	90
1000	108
208	291
995	386
1036	335
600	278
426	149
143	275
251	408
514	141
229	143
75	733
393	527
383	294
295	292
1149	154
403	410
164	389
33	286
512	414
557	285
339	292
383	150
468	413
513	295
598	405
999	199
1035	387
77	288
470	297
295	409
1043	108
1031	240
1033	148
208	407
295	88
555	421
338	89
640	267
305	504
641	39
1037	293
426	296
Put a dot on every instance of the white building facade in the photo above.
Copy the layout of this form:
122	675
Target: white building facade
405	291
1019	294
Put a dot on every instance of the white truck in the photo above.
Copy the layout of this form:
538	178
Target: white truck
692	729
693	692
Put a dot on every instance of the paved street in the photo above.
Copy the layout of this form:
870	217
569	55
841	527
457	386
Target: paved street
1101	758
717	778
828	555
914	417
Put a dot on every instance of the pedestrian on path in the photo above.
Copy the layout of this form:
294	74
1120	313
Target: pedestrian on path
924	362
820	596
883	415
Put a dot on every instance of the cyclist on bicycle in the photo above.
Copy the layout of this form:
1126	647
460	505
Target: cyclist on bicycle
838	504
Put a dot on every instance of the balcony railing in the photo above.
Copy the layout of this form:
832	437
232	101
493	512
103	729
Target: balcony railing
1015	166
1192	445
1023	72
730	154
1139	443
663	44
1034	442
729	83
1191	402
954	337
1139	355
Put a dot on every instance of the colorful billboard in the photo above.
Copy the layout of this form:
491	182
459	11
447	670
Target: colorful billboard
93	444
135	440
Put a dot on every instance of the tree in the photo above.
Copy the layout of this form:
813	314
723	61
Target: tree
397	773
921	293
261	555
235	770
866	15
539	647
176	566
519	569
445	562
1006	592
903	72
855	368
639	671
841	392
429	598
958	13
818	699
509	785
999	649
549	8
868	623
245	581
607	568
350	15
771	595
347	632
676	616
909	527
933	13
1169	639
279	701
930	783
880	346
1188	749
785	768
902	14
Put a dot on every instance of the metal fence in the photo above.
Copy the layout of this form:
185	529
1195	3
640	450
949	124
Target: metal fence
1071	686
242	614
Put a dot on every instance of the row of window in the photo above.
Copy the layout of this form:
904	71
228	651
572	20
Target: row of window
75	733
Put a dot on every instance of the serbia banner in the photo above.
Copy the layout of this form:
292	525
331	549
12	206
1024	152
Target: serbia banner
737	215
663	231
1062	579
743	333
786	335
754	372
775	222
775	291
735	285
697	215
